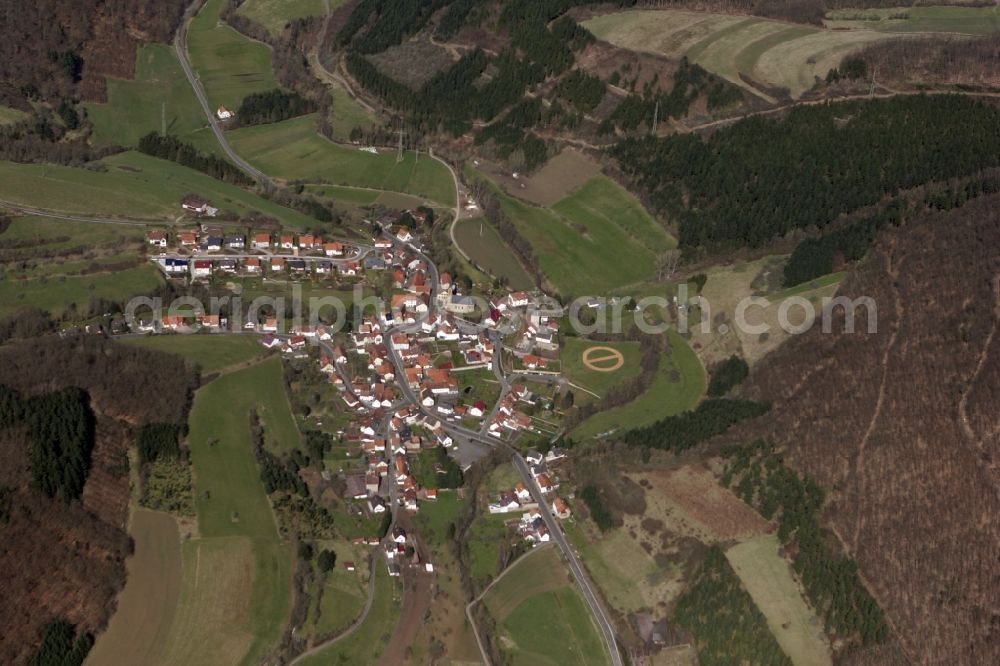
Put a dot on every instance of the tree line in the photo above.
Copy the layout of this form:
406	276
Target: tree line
173	149
713	416
762	178
62	646
758	475
727	626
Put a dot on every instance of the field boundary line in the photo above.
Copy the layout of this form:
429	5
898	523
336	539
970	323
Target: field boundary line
478	599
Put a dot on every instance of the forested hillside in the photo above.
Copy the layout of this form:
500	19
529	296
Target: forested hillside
54	49
763	178
67	409
900	428
524	69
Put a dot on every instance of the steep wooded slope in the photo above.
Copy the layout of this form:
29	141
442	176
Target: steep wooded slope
901	427
67	560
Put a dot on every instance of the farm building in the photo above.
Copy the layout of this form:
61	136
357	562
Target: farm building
224	114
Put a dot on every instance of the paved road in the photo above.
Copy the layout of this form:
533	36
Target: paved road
180	46
607	630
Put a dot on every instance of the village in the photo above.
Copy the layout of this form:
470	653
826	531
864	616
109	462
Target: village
402	371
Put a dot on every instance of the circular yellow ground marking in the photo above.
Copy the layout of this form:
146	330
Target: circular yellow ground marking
603	359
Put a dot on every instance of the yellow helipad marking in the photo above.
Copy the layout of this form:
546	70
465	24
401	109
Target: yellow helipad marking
603	359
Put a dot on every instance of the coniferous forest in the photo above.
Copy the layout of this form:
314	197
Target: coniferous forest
762	178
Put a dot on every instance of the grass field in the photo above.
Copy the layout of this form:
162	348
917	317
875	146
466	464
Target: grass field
158	92
237	574
59	294
135	185
481	241
293	150
346	114
366	643
774	53
210	352
677	387
9	115
343	599
628	576
147	604
541	616
962	20
573	368
274	14
229	65
351	195
818	283
595	240
768	578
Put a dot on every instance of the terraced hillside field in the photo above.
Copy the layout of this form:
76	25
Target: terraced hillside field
773	53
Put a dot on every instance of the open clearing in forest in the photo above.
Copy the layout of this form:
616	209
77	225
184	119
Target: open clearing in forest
294	151
768	578
774	53
697	493
541	616
147	604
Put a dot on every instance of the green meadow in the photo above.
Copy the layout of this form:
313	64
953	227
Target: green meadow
541	617
237	572
365	644
134	185
481	241
229	65
274	14
677	387
65	293
573	368
591	242
158	97
294	151
346	114
211	353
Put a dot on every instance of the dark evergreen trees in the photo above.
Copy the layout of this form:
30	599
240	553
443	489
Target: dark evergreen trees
680	432
175	150
762	178
61	646
273	106
727	374
62	438
728	627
